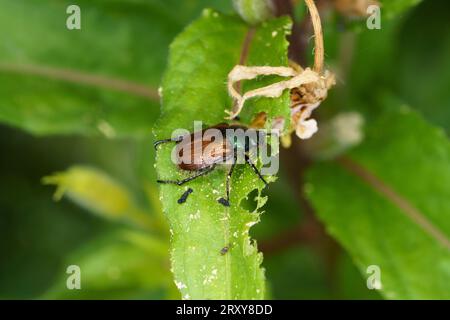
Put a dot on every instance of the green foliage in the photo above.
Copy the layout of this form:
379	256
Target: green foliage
41	237
422	64
412	158
385	202
99	193
402	150
110	45
117	266
254	11
393	8
201	227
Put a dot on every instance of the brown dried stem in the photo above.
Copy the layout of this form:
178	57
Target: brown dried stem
318	36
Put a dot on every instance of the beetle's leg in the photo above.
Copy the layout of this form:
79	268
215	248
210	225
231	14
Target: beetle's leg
226	202
157	143
195	176
247	159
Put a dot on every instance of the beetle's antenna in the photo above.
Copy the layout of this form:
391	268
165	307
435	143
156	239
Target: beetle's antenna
157	143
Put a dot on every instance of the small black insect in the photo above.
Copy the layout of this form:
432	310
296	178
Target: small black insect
222	152
224	202
185	195
224	250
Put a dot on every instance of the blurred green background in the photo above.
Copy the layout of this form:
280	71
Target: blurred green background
50	125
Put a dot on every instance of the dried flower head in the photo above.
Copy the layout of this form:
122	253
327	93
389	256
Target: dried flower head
308	90
308	87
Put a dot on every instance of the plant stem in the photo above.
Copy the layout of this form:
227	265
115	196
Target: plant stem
318	36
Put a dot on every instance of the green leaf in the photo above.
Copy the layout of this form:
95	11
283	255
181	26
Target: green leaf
352	284
254	11
194	88
122	265
55	80
36	234
99	193
401	60
392	8
388	204
422	70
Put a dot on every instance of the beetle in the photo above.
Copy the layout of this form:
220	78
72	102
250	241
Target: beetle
222	151
225	249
